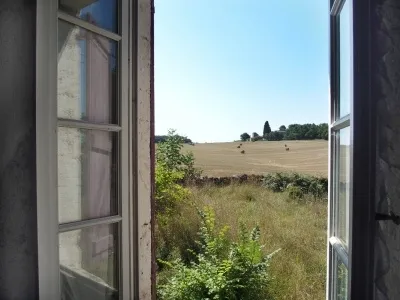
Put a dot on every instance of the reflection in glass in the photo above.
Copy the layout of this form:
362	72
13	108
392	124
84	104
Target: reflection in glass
87	75
102	13
341	281
343	188
86	174
88	263
345	60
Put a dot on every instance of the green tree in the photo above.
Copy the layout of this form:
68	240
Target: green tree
256	137
267	128
274	136
323	131
306	132
244	136
282	128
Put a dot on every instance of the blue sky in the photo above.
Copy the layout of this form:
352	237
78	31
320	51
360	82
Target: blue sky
225	67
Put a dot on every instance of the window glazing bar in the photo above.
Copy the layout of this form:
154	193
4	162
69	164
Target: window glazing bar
88	223
340	250
341	123
81	23
88	125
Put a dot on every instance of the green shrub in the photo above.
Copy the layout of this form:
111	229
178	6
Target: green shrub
222	270
295	193
168	191
172	167
169	153
299	184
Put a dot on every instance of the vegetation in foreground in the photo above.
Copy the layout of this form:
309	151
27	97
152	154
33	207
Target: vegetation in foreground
211	253
298	228
222	269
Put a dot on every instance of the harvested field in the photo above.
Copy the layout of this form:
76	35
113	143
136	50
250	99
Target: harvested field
225	159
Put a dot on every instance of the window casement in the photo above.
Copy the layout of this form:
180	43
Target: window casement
86	207
351	154
340	154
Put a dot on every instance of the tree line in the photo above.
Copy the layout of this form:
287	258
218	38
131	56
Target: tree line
292	132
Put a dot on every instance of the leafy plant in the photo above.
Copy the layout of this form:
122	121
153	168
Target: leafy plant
295	193
172	167
169	154
222	270
168	191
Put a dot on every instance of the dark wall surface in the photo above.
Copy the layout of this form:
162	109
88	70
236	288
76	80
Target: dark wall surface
386	90
18	234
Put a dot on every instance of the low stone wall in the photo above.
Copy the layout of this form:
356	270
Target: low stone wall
224	181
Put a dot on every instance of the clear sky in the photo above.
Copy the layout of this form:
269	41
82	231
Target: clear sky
224	67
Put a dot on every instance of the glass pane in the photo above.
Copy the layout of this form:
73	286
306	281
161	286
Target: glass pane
89	263
102	13
87	75
341	281
86	174
343	188
345	60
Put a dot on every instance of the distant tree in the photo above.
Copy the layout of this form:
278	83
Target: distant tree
306	132
255	135
244	136
282	128
323	131
274	136
267	128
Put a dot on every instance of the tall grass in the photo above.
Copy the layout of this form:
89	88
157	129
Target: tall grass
298	229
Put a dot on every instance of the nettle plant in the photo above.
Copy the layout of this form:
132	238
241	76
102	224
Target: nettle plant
223	269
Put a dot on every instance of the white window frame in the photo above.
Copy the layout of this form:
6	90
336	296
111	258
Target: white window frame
135	94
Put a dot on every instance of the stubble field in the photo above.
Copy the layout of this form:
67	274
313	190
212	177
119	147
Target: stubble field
225	159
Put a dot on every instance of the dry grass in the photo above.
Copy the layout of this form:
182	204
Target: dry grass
225	159
298	229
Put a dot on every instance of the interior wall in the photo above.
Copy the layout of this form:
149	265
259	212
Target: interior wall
18	210
386	90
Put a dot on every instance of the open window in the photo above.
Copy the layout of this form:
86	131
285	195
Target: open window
340	152
92	198
351	152
87	222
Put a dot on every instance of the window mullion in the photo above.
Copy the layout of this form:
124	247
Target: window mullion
341	123
88	26
88	223
88	125
125	156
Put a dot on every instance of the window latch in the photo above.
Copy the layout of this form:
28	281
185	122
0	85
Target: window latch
390	216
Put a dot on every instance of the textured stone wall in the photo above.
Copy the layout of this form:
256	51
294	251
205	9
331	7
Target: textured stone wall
386	60
18	209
